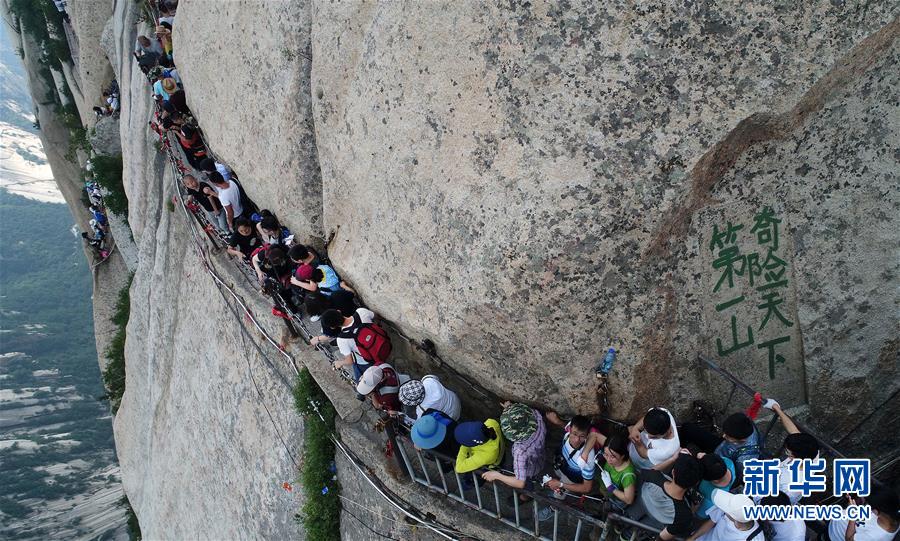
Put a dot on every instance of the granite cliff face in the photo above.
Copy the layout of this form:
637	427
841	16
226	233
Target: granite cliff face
524	185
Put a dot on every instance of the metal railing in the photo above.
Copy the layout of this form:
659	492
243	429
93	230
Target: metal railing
437	473
737	384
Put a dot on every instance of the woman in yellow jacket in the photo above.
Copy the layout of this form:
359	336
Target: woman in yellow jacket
481	445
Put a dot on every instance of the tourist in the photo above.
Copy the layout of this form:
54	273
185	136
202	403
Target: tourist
243	241
883	524
304	255
654	440
797	446
198	192
192	144
617	473
782	530
270	231
572	472
663	498
718	473
210	165
381	383
434	431
229	197
480	445
728	520
740	439
430	393
344	325
524	427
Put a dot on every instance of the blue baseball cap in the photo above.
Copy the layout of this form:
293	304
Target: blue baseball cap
428	433
470	433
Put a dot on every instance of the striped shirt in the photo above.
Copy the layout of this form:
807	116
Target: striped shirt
528	454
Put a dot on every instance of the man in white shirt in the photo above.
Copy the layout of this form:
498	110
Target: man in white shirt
654	441
229	195
430	393
334	320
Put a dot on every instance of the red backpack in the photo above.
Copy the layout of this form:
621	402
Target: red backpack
372	341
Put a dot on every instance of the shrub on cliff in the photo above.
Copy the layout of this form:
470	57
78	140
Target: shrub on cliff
321	513
108	174
114	373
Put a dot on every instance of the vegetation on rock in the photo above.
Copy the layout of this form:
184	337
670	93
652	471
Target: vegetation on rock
321	512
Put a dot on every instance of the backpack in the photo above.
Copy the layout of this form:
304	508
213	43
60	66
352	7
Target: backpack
372	341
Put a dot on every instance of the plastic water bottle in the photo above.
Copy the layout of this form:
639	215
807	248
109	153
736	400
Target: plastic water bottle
607	363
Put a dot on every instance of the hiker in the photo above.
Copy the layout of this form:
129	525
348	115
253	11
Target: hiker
164	35
99	218
95	243
192	145
143	45
797	446
728	520
112	103
271	262
882	525
434	431
740	439
273	268
243	241
164	88
663	498
782	530
270	230
524	427
198	192
148	53
304	255
618	474
210	165
322	278
317	304
381	383
229	195
481	445
430	393
573	473
654	440
718	473
358	329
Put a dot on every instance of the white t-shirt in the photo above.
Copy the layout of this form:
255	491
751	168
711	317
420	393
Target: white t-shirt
726	530
438	397
223	170
784	479
865	531
348	345
231	196
788	530
658	450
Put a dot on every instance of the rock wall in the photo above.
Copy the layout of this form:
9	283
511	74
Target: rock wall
527	185
251	59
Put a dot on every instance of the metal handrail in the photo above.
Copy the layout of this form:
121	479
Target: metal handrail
478	503
738	384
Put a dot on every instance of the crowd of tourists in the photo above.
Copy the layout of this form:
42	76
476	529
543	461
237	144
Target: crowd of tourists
96	240
684	478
